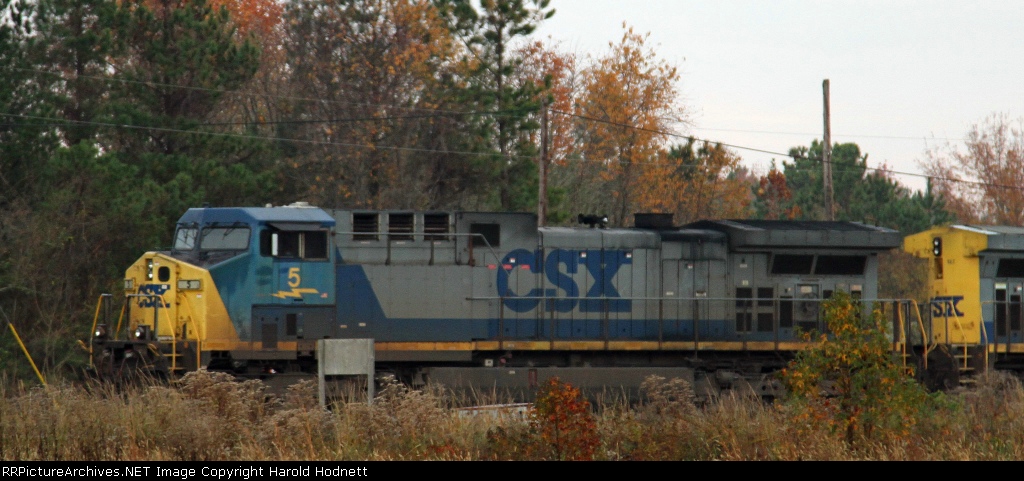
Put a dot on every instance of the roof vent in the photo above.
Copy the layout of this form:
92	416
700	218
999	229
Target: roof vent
300	204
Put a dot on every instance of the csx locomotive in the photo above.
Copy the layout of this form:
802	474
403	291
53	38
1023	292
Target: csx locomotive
975	283
486	299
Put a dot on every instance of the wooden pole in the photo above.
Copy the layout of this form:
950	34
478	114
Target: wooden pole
542	195
830	211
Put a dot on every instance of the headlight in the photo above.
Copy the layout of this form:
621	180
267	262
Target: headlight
188	284
129	284
101	331
142	333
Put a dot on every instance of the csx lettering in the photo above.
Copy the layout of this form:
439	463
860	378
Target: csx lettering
946	306
602	265
153	290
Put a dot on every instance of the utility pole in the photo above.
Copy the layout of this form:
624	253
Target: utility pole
826	158
542	196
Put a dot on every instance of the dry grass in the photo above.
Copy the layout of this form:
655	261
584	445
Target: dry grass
206	416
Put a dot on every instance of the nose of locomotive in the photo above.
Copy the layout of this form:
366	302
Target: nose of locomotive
149	291
154	288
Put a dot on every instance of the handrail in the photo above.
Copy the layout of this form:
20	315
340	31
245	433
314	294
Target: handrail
174	338
173	326
947	307
901	327
926	349
984	337
95	322
120	318
191	317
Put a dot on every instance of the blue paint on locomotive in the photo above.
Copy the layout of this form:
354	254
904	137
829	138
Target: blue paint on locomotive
254	216
233	281
578	288
357	303
360	312
247	278
602	265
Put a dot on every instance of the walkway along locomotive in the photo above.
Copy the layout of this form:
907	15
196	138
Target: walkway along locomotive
475	299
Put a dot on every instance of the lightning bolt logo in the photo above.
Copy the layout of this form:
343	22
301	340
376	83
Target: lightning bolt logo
294	281
295	292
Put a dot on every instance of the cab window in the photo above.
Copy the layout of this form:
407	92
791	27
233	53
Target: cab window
185	238
293	244
224	239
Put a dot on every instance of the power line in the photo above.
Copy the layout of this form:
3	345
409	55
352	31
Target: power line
859	136
790	155
251	137
435	113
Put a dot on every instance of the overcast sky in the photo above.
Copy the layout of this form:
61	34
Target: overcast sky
904	75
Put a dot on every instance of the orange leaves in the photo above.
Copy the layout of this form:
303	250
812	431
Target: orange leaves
562	427
628	104
545	66
992	164
849	382
259	17
695	183
564	422
775	196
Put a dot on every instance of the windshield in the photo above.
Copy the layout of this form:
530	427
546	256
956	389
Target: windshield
185	238
225	238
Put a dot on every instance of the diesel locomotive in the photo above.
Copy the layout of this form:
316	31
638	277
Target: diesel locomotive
975	284
482	299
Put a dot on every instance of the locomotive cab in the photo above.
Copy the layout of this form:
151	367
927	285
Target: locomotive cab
975	284
182	310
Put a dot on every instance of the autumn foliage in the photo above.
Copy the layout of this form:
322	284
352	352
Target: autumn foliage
695	181
982	183
561	427
848	381
628	107
776	197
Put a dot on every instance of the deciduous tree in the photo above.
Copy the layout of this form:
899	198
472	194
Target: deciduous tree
984	181
368	73
848	382
629	103
774	199
545	65
694	181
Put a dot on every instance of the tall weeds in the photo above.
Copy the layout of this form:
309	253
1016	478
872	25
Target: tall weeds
209	416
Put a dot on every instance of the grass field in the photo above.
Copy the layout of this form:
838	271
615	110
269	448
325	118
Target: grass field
206	416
